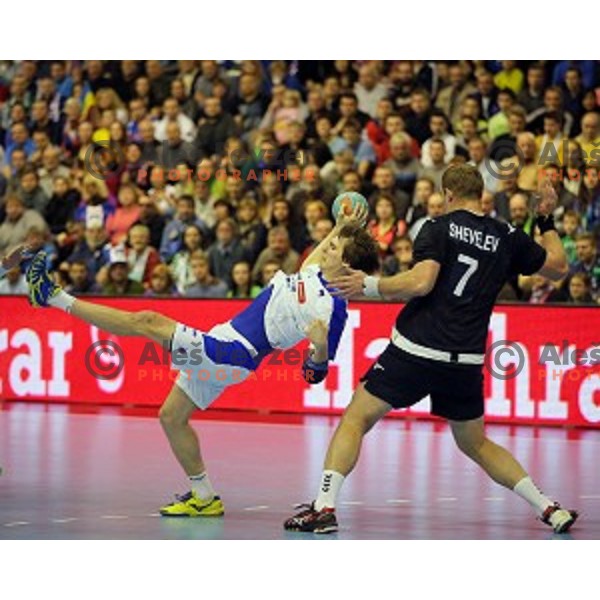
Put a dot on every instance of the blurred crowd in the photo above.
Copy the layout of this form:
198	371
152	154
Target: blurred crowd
204	178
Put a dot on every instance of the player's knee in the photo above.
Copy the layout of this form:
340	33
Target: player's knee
471	446
171	418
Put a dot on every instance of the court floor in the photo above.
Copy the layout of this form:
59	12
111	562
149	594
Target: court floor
102	476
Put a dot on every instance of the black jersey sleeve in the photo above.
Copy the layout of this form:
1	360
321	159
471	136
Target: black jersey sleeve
430	242
527	256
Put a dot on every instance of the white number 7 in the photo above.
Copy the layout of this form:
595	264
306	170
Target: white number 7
472	264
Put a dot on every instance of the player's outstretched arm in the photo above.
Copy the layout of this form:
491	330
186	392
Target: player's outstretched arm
359	215
556	266
418	281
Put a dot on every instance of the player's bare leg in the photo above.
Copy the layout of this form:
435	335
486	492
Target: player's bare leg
146	323
362	414
174	417
202	500
505	470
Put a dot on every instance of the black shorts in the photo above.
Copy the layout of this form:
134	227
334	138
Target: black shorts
401	380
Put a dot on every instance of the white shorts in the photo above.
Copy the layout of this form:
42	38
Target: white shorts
202	377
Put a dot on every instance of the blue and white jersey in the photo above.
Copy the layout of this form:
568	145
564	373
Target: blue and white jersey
280	314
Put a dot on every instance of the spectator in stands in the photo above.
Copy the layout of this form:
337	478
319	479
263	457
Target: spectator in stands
437	153
242	286
149	146
588	262
19	220
520	215
141	256
385	184
252	231
417	117
580	289
205	284
498	124
161	283
150	216
61	206
226	250
204	201
175	150
172	236
571	227
385	227
402	259
402	163
127	213
20	140
172	113
14	283
349	112
118	282
80	281
319	232
589	199
181	266
364	155
369	90
450	98
509	77
31	192
249	104
435	206
268	271
92	250
278	249
531	98
51	168
589	138
477	158
486	95
214	128
529	166
438	124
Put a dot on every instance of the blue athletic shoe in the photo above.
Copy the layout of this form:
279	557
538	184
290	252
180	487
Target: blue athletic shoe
41	286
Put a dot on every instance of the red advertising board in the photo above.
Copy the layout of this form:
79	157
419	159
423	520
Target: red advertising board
49	355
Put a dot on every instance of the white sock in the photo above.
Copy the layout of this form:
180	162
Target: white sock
331	483
529	491
202	486
63	301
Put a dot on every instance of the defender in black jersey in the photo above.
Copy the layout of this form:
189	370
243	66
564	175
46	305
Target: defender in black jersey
437	347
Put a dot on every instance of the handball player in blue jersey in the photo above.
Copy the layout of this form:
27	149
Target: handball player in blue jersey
290	309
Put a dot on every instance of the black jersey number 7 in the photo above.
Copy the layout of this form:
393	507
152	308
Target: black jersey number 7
471	264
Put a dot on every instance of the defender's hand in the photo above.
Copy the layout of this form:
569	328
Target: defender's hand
548	199
350	285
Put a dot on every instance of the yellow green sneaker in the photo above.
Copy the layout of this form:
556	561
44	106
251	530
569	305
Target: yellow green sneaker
41	286
189	505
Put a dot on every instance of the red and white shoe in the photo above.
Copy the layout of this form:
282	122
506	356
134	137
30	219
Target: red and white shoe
560	519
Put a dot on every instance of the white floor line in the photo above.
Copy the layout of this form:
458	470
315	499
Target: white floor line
494	498
114	517
447	499
260	507
68	520
397	501
591	497
352	503
16	523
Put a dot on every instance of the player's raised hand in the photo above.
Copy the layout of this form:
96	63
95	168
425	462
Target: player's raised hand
548	198
15	256
317	333
358	215
350	285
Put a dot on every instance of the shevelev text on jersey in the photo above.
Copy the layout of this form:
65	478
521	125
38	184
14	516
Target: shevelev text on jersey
489	243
